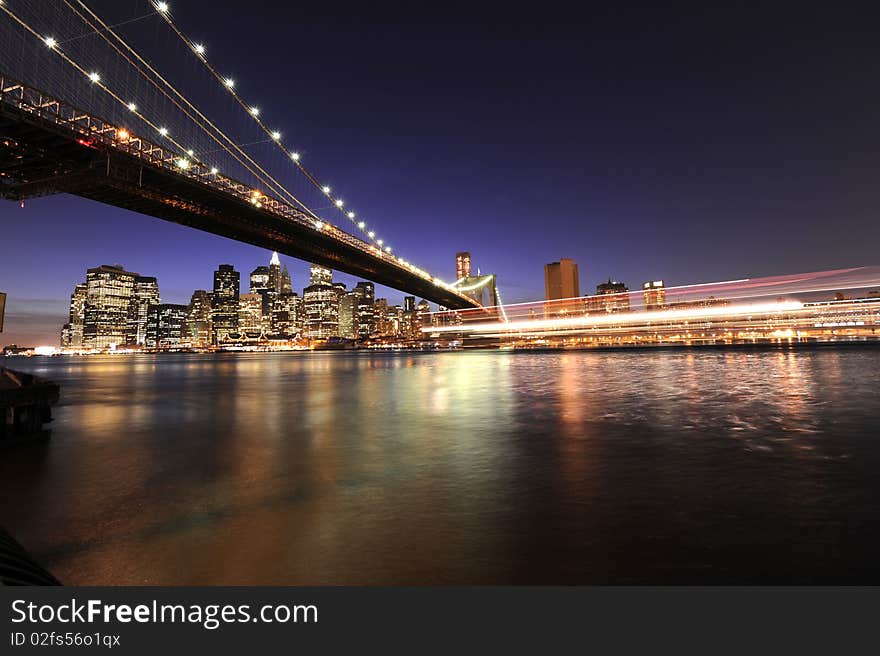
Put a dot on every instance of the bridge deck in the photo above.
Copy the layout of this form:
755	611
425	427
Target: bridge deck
47	147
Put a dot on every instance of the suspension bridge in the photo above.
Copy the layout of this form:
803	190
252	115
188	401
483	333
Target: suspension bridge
85	111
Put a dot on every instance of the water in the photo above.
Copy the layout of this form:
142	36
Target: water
442	468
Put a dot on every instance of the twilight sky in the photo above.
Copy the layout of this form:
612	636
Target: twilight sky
684	144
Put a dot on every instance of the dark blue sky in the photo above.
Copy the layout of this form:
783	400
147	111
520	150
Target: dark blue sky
684	144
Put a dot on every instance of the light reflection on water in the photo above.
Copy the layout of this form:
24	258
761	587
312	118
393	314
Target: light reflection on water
479	467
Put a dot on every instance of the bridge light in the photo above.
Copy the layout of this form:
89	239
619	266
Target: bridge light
326	190
362	225
214	171
294	157
339	202
351	215
319	225
163	132
132	107
183	163
255	111
229	82
162	7
191	153
388	249
199	48
276	135
122	134
371	234
50	42
94	77
379	242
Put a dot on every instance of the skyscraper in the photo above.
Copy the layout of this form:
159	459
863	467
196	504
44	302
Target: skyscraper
654	294
165	326
224	302
366	314
286	315
109	290
275	273
462	265
423	317
286	285
561	280
144	294
321	305
349	305
76	318
198	319
611	296
250	313
259	280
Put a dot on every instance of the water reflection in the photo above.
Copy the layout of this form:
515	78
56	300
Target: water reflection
474	467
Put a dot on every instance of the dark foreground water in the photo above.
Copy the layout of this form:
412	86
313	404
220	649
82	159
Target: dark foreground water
480	467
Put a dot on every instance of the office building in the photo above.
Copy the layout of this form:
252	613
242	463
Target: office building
166	326
349	322
462	265
654	294
561	280
250	313
145	294
321	304
224	302
109	291
198	319
72	333
611	296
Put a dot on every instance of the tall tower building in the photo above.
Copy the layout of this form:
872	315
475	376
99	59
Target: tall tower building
286	285
198	319
366	314
259	280
224	302
321	304
319	275
275	273
166	326
611	296
109	291
654	294
561	280
76	318
462	265
250	313
145	294
349	321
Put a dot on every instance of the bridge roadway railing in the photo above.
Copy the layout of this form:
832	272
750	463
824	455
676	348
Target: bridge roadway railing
92	130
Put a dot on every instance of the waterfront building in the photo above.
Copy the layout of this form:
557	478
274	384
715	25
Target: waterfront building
72	333
198	319
224	302
654	294
366	315
561	280
321	305
380	310
166	326
423	317
462	265
611	296
109	291
286	315
144	294
250	313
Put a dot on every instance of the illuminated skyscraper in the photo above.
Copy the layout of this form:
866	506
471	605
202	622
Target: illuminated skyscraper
321	305
76	318
561	280
145	294
275	273
286	315
349	305
166	326
250	313
198	319
654	294
286	285
611	296
259	280
366	315
109	291
462	265
224	302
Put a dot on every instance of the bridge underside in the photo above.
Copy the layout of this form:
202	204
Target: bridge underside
39	158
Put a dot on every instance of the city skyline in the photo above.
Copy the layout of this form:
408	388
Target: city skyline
630	191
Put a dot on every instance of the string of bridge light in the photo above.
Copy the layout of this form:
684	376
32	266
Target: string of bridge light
266	178
228	83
